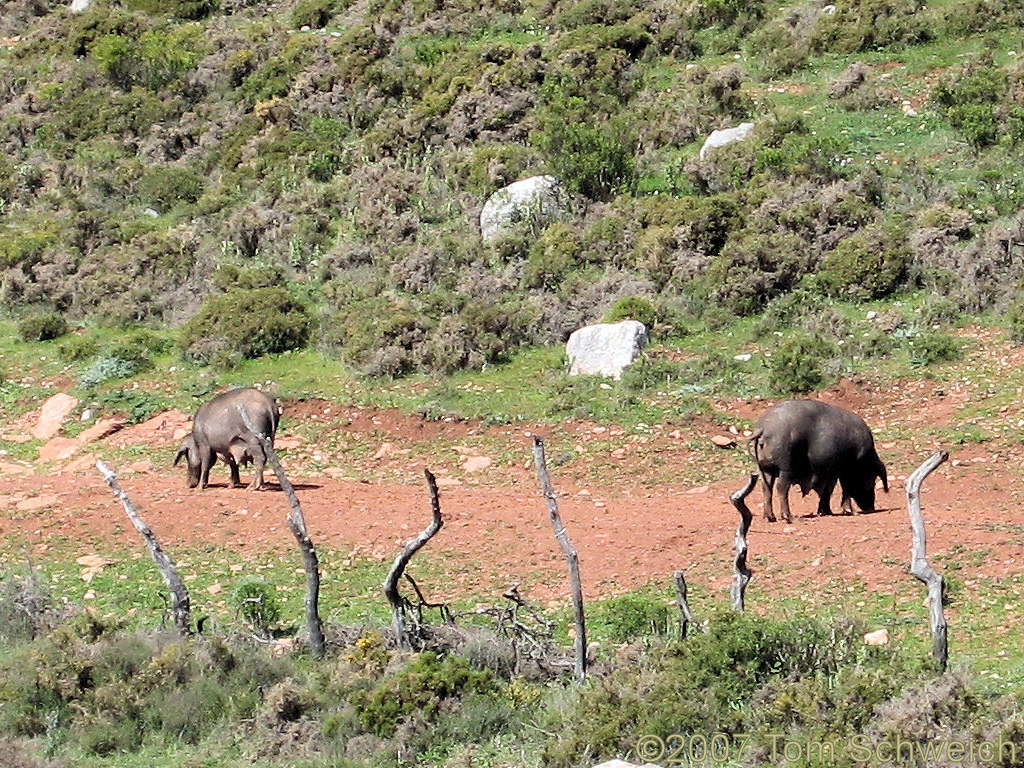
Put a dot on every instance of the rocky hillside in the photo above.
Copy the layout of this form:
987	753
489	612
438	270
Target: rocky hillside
271	175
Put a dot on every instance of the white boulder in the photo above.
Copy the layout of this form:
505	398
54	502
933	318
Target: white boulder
726	136
543	197
77	6
605	348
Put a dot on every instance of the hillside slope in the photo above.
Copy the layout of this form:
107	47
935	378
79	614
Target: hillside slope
318	167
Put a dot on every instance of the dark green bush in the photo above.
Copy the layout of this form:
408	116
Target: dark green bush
634	308
552	256
755	268
592	157
799	363
869	264
932	346
247	323
44	327
164	186
706	684
256	602
629	617
314	13
866	25
192	10
420	691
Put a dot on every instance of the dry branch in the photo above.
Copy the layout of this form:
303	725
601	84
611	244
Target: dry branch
297	525
181	604
570	558
741	573
919	566
399	604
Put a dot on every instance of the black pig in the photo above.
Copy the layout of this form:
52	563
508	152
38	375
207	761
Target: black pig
814	445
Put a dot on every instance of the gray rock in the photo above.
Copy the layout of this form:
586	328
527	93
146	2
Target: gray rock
541	197
726	136
605	348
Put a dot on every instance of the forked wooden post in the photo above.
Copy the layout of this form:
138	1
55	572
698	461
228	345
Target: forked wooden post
741	573
297	524
181	604
398	603
919	566
571	559
685	615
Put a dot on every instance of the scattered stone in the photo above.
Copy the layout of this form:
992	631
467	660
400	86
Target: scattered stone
476	463
52	415
17	438
286	442
88	415
86	463
9	468
99	430
142	466
58	449
42	501
878	637
385	450
723	441
542	199
77	6
214	589
605	349
725	136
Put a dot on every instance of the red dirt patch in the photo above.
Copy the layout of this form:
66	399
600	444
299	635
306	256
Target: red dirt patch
629	523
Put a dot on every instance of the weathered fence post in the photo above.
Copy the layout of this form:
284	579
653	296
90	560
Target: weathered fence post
181	604
919	566
297	525
570	557
741	573
398	603
685	616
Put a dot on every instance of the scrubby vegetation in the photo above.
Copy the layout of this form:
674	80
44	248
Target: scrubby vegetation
187	187
156	159
83	690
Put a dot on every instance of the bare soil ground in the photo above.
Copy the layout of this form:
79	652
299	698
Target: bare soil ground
359	477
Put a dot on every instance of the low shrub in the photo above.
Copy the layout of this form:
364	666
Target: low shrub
104	369
629	617
868	25
75	349
870	264
799	363
313	13
703	686
248	323
933	346
42	327
165	186
256	602
420	691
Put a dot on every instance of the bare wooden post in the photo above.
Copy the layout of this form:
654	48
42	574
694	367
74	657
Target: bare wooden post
398	603
685	616
741	573
919	566
181	604
570	558
297	524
